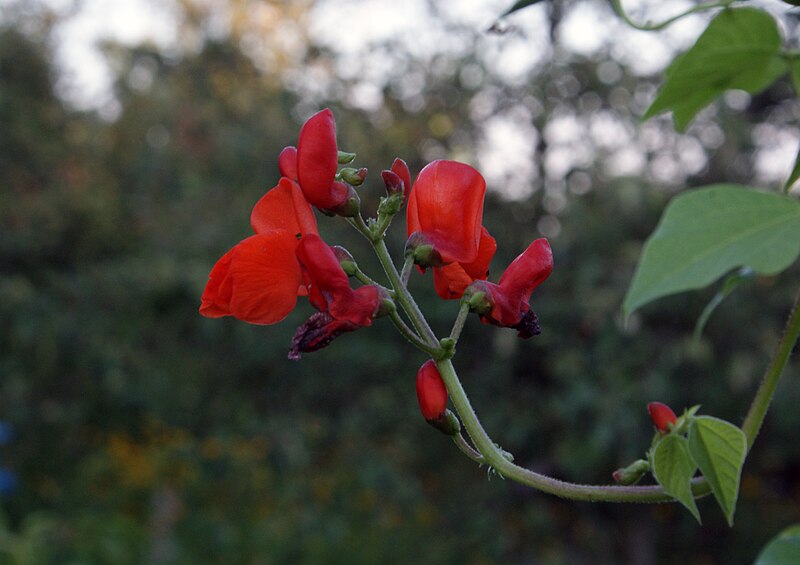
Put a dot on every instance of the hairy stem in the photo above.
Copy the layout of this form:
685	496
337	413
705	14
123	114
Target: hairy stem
494	456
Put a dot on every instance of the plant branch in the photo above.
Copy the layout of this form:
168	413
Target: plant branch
766	390
620	11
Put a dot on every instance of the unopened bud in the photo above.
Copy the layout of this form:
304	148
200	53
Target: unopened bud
631	474
345	259
393	182
431	392
354	177
662	415
346	158
390	205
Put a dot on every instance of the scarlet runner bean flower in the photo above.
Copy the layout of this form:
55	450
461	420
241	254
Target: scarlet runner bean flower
444	215
341	309
258	281
431	392
505	304
662	416
313	164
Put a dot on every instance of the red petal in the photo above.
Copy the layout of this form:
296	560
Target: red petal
357	306
431	391
283	208
256	281
528	270
287	162
400	168
329	287
446	204
479	268
318	159
451	280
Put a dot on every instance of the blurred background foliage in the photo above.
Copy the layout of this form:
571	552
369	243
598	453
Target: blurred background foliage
139	432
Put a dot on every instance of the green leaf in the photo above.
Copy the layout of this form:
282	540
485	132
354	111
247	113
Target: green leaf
673	468
719	448
707	232
783	549
731	282
519	6
740	49
794	69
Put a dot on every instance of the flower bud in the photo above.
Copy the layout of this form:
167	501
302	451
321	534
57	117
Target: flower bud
345	259
353	177
431	392
631	474
393	182
345	158
662	415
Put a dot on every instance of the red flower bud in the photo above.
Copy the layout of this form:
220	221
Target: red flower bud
431	392
400	168
662	416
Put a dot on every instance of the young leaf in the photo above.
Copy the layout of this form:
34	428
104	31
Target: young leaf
783	549
739	49
707	232
673	468
719	449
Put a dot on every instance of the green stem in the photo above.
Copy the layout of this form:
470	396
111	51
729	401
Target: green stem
461	319
620	11
407	266
766	390
467	449
493	455
412	336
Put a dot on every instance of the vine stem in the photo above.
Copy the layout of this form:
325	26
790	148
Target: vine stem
492	455
766	390
620	11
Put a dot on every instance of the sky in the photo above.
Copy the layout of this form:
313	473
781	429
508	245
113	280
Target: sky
85	77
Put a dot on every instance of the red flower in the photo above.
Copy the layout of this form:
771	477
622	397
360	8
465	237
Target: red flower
662	416
316	161
431	392
445	211
258	281
341	309
505	304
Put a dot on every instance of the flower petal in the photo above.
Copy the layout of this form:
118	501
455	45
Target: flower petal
451	280
318	159
287	162
446	204
256	281
283	208
528	270
329	287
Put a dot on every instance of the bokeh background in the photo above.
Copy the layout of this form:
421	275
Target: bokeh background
134	139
